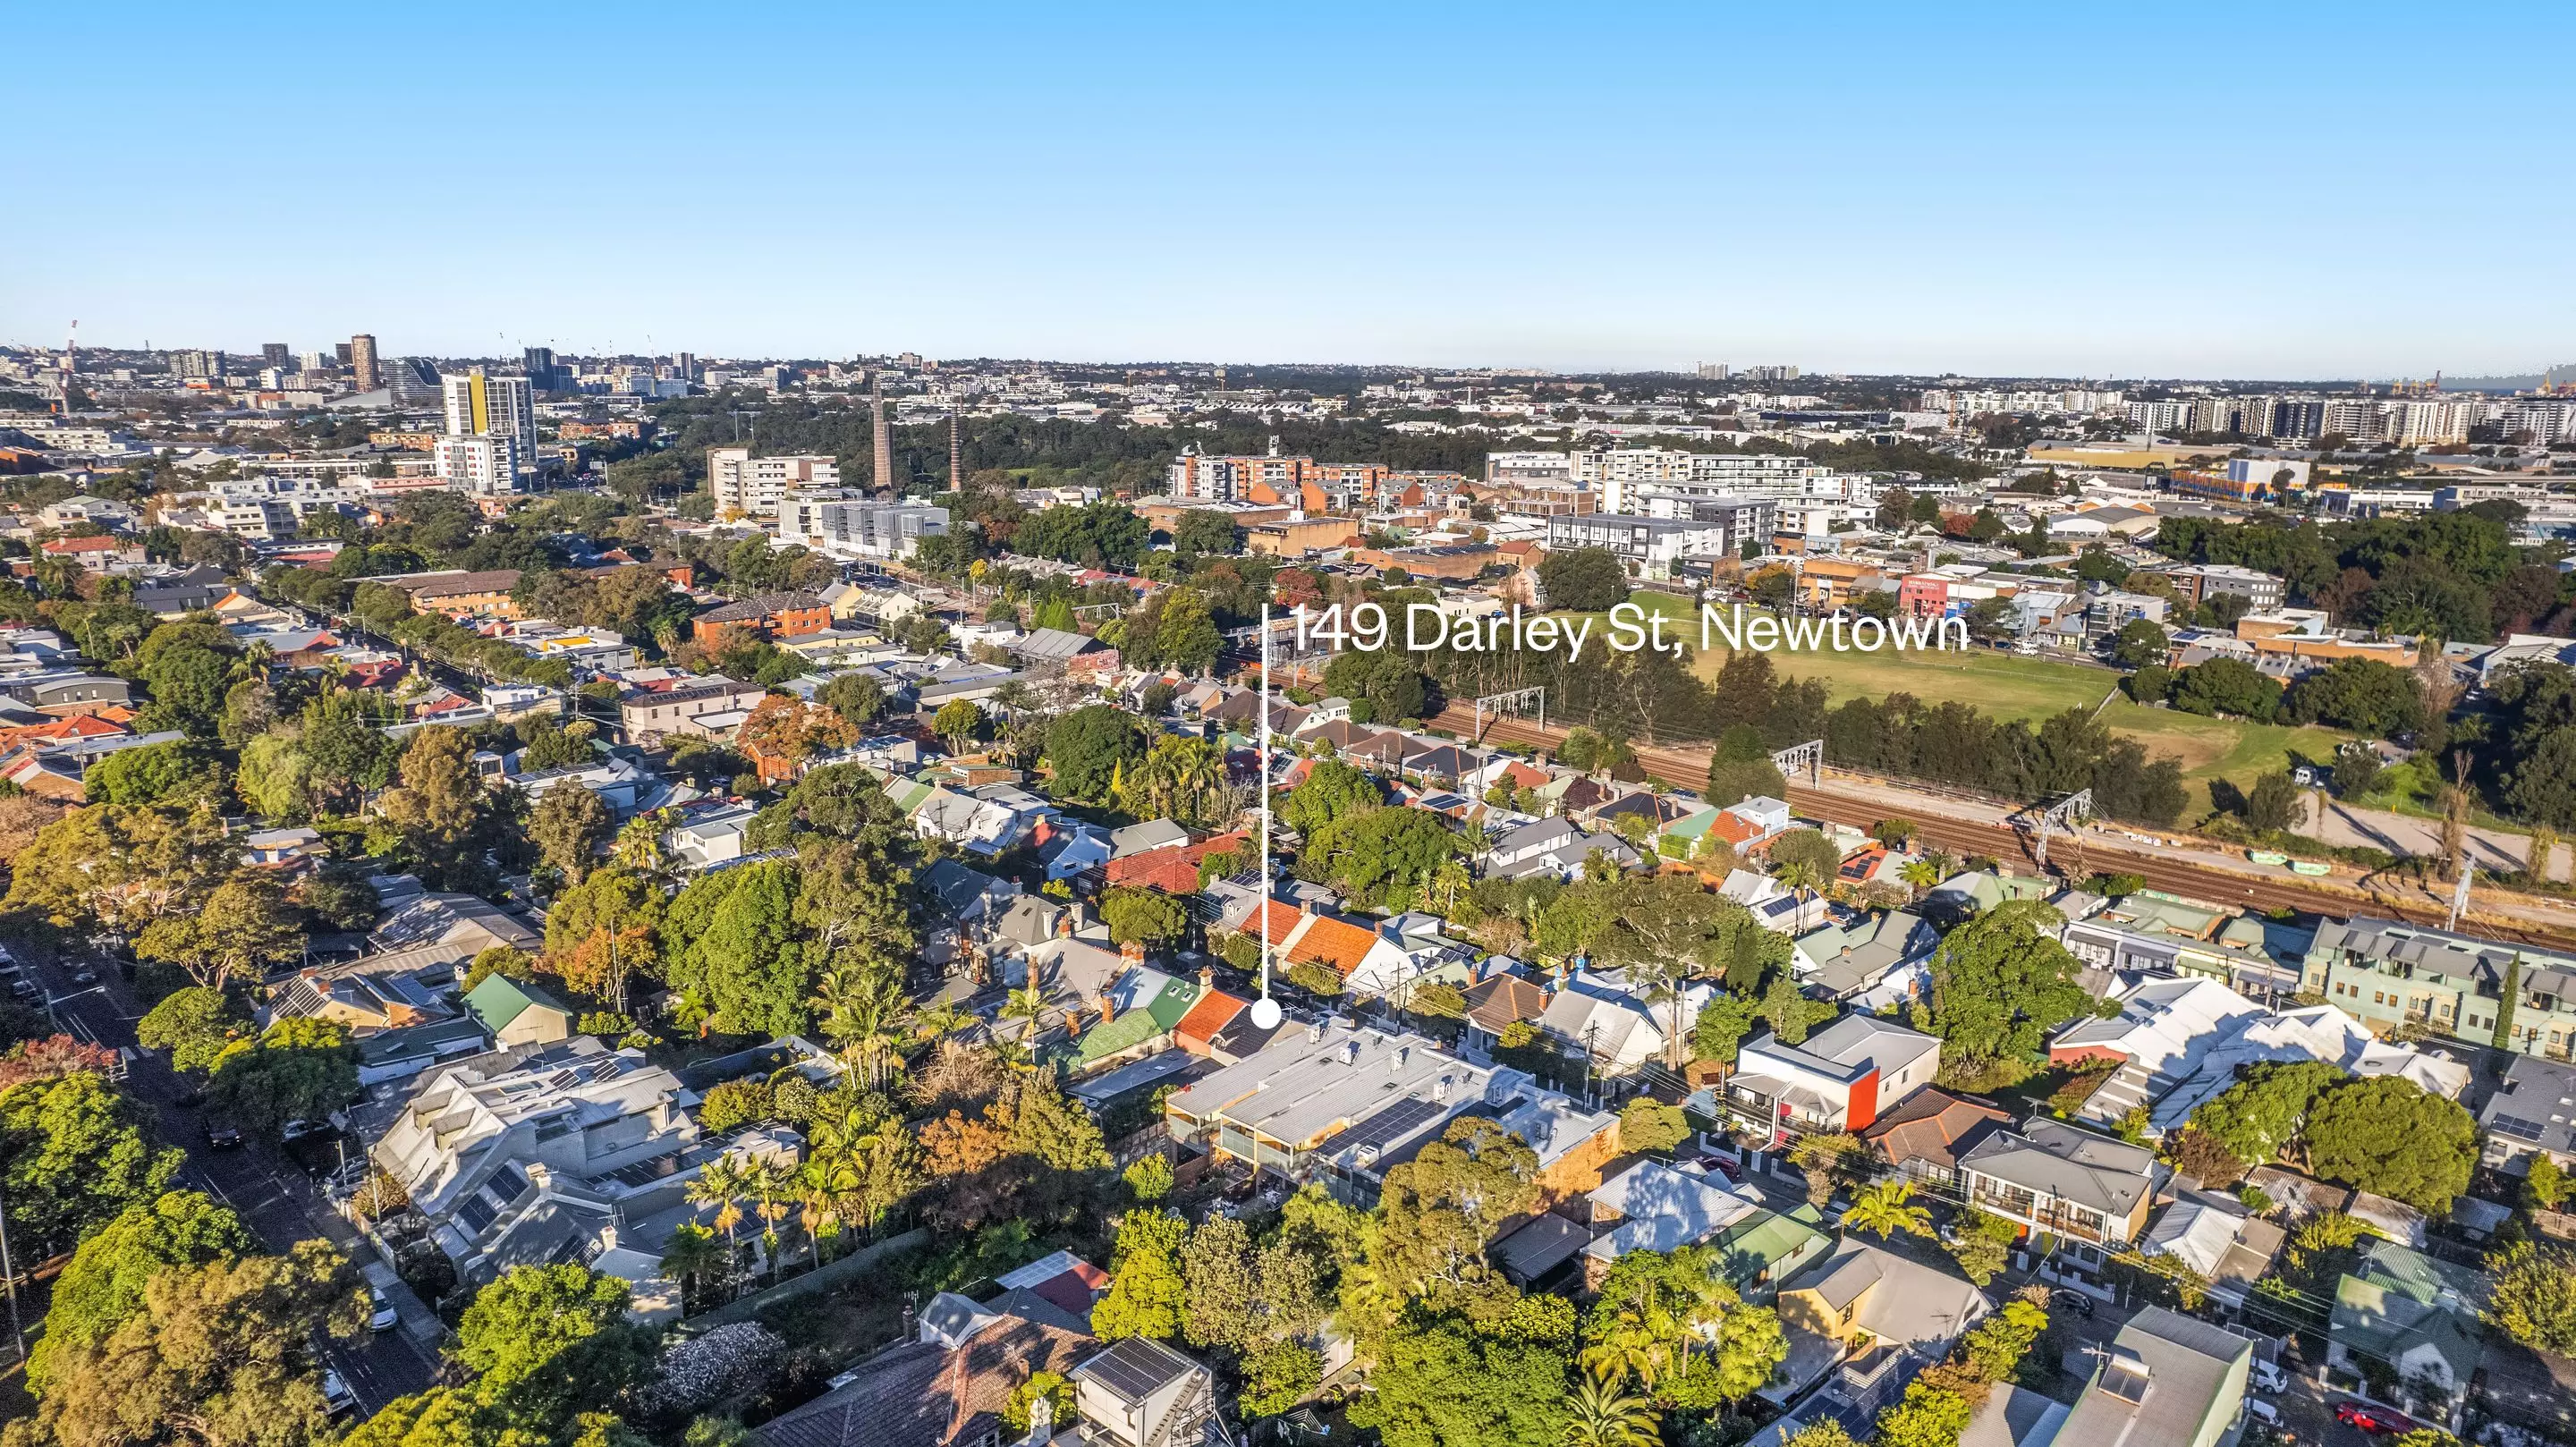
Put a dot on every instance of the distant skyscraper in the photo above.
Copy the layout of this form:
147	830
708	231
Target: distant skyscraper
1712	371
362	362
274	354
884	478
956	447
340	353
196	365
543	374
684	366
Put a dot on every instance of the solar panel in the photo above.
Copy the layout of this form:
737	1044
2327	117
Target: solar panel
1395	1122
506	1184
2516	1126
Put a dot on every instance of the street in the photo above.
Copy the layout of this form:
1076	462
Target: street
273	1198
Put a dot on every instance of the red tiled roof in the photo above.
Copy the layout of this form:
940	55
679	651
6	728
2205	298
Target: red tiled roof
1215	1010
84	545
1735	829
1162	869
1329	941
1282	918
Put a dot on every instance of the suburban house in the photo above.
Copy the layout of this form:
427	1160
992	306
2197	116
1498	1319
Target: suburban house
1863	1306
2223	1243
1655	1207
1924	1136
1838	1079
1880	960
2168	1380
1340	1102
2404	1315
1556	847
1496	1003
932	1392
2533	1111
769	616
519	1013
450	929
647	716
2056	1180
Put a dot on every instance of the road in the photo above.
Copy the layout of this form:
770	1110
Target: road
273	1197
1967	825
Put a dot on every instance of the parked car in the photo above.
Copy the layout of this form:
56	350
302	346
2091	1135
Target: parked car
2377	1421
2064	1299
296	1130
381	1314
2268	1376
336	1394
223	1135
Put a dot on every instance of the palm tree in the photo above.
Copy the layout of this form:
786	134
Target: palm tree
769	1181
943	1019
692	1256
1920	874
1445	884
1026	1004
722	1183
863	1012
1883	1209
639	844
1603	1413
1800	877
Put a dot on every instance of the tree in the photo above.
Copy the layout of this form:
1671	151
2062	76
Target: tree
1441	1207
1445	1384
1278	1377
2260	1116
1174	629
74	1154
2274	804
2533	1296
194	1024
1722	1025
857	697
1222	1303
1601	1413
1382	684
2543	1182
1149	1180
1376	857
550	1342
1136	913
2001	983
218	1354
1331	791
1647	1124
1807	847
2140	643
568	826
1887	1209
122	866
178	773
244	926
439	807
103	1286
958	723
1826	1432
1926	1417
1182	779
1087	749
1202	530
735	950
2227	686
2388	1136
300	1068
602	932
1583	580
1147	1292
2361	694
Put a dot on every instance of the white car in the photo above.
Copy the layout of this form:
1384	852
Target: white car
381	1315
336	1394
2268	1376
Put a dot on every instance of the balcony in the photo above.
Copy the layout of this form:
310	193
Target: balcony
2048	1214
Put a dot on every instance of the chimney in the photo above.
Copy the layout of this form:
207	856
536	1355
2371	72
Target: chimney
1041	1421
1314	1032
1440	1089
1108	1008
1395	1059
1350	1052
1132	952
884	479
1207	977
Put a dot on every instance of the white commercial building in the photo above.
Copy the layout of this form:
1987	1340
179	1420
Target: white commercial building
1655	547
859	528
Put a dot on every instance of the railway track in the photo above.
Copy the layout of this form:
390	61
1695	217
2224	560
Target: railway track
2193	878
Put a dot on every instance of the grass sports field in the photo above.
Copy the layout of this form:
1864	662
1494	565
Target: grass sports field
2012	687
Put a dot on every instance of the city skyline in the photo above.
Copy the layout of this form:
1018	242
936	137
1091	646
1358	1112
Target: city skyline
2011	193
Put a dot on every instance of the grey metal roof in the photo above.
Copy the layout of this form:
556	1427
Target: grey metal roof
2094	1171
2190	1377
1134	1368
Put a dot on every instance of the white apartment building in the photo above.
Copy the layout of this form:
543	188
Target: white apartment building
1231	479
481	466
485	406
848	526
748	486
2547	419
1656	547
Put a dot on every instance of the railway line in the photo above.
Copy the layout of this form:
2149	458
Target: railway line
2161	868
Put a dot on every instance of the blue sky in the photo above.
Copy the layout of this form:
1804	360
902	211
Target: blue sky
2222	190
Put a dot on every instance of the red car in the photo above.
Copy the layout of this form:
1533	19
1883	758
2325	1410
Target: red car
2377	1421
